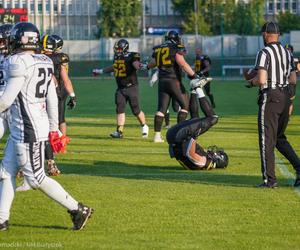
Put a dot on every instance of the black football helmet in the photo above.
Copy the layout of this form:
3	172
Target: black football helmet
218	156
48	43
121	47
59	42
24	36
4	38
173	37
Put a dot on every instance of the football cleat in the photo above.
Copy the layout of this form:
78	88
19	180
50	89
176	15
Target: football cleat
268	185
116	134
4	226
158	138
80	216
52	168
145	131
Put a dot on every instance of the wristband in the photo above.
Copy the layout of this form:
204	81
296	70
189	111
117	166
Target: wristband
193	76
72	94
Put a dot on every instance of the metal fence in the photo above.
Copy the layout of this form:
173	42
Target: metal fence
232	46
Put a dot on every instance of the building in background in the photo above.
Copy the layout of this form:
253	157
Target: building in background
273	7
71	19
160	16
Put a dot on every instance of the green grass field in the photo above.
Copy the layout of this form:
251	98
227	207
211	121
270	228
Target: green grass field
145	200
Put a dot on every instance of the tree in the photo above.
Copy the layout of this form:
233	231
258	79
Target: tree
288	21
213	15
119	18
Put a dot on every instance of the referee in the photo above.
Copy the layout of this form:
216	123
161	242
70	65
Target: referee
276	79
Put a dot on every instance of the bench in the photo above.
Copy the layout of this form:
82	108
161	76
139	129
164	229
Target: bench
240	67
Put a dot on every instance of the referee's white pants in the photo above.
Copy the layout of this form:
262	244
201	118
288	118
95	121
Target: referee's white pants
29	157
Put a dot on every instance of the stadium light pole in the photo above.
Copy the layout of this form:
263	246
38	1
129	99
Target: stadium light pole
222	35
144	26
196	20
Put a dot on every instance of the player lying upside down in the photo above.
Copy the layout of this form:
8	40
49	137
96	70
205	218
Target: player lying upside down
184	147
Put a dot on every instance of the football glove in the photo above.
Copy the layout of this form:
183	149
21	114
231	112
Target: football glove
144	66
199	82
58	143
72	102
96	72
154	79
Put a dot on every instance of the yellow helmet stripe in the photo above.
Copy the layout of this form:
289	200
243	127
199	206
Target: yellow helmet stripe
45	41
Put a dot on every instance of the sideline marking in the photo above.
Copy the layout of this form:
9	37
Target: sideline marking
287	174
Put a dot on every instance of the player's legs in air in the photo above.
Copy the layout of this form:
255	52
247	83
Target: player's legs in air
209	94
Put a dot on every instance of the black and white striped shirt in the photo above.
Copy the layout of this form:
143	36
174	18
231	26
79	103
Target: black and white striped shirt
278	63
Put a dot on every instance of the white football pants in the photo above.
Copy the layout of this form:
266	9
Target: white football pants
29	157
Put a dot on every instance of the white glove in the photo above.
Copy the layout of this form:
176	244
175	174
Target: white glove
97	72
154	78
144	66
199	82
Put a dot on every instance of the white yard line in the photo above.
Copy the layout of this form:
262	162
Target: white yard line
287	174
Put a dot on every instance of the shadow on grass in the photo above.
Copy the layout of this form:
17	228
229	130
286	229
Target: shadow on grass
43	227
171	174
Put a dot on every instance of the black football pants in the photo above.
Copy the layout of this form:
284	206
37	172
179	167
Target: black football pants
273	117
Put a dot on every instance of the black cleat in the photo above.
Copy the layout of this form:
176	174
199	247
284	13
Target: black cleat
268	185
297	182
80	216
4	226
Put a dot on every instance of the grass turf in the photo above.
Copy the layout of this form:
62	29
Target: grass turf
145	200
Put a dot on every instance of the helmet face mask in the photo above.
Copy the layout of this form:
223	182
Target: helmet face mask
173	37
24	36
121	47
218	156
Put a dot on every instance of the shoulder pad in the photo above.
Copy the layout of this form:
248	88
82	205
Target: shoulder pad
136	55
16	66
63	58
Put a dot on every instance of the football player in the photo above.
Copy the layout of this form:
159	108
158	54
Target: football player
182	139
51	46
4	39
30	94
202	68
169	59
292	87
125	66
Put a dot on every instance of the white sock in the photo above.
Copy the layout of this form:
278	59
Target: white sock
7	193
55	191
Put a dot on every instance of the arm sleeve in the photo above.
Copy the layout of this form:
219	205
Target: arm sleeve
262	60
14	86
16	78
52	104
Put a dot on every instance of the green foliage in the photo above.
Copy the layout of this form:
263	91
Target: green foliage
215	17
288	21
119	18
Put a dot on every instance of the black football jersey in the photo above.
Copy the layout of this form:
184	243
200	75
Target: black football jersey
58	60
200	63
165	57
124	71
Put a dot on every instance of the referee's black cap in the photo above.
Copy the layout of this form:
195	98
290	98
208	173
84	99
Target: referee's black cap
271	28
